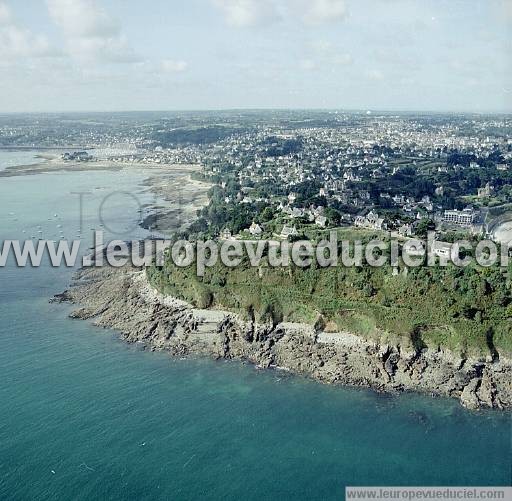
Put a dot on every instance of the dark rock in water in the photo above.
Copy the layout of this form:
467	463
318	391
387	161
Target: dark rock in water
122	299
63	297
420	417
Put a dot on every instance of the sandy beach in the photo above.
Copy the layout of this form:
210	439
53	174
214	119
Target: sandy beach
182	197
177	195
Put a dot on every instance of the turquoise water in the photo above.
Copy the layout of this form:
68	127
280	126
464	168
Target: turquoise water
86	416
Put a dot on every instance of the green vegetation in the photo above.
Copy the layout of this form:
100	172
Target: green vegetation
278	146
194	135
467	310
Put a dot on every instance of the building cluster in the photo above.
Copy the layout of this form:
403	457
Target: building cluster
77	156
322	169
350	166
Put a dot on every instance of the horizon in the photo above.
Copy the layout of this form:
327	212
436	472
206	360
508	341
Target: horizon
236	234
365	111
108	55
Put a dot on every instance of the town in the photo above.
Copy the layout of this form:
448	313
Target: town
286	174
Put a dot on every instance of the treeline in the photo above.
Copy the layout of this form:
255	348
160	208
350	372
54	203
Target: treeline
196	135
276	147
457	158
467	310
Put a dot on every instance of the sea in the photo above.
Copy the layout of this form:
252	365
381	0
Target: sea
85	416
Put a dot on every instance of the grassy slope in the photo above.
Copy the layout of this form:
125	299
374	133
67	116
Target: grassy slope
468	311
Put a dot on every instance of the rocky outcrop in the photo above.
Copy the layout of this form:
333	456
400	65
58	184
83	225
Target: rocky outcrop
122	299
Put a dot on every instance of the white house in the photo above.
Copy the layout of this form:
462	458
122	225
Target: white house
441	249
321	221
255	229
405	230
225	234
288	231
371	221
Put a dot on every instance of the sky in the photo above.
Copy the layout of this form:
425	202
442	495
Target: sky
121	55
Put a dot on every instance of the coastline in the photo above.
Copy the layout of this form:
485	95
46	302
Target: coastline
53	163
177	195
182	197
122	299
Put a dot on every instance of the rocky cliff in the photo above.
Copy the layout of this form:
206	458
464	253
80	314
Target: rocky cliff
123	300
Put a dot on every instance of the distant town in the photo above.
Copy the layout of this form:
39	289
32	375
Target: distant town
286	174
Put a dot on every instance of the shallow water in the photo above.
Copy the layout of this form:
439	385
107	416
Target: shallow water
11	158
86	416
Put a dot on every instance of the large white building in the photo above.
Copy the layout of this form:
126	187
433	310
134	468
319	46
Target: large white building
464	217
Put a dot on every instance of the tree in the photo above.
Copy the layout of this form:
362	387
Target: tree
424	226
